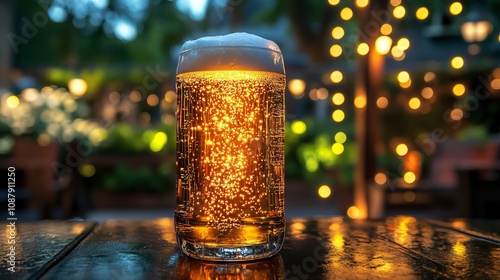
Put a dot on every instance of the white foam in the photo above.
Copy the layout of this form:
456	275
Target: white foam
238	51
239	39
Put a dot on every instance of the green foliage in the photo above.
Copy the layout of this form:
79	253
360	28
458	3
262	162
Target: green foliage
144	179
127	139
309	156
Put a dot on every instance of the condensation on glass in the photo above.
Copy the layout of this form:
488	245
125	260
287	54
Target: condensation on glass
230	148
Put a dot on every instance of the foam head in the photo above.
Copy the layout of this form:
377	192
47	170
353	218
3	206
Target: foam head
235	51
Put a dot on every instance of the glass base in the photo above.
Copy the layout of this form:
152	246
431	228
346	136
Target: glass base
221	253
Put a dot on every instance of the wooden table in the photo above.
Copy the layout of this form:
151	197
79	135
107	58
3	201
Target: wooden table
324	248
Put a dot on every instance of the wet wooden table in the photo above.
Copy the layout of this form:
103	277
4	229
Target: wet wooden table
324	248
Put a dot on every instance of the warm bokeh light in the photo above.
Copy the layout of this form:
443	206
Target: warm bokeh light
338	115
456	8
30	94
338	32
340	137
401	149
386	29
382	102
77	87
337	148
363	49
336	76
456	114
495	84
429	77
403	44
383	44
396	52
353	212
399	12
414	103
403	77
360	102
322	93
422	13
338	98
409	196
380	178
457	62
427	92
458	89
333	2
298	127
335	50
87	170
313	94
135	96
324	191
406	84
395	3
43	140
409	177
159	141
12	102
296	86
152	100
346	13
362	3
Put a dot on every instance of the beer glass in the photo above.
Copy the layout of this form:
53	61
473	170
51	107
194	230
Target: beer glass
230	148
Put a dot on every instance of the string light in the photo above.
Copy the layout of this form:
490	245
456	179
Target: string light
346	13
383	44
360	102
338	115
324	191
457	62
340	137
338	98
337	148
401	149
353	212
458	89
399	12
456	114
429	76
422	13
298	127
380	178
403	44
427	93
363	49
382	102
386	29
456	8
333	2
335	50
395	3
414	103
403	77
336	76
409	177
338	32
362	3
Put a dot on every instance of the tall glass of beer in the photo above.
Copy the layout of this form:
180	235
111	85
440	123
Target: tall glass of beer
230	148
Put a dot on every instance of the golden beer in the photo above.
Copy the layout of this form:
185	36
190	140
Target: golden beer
230	149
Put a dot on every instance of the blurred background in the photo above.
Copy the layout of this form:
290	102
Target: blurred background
392	107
